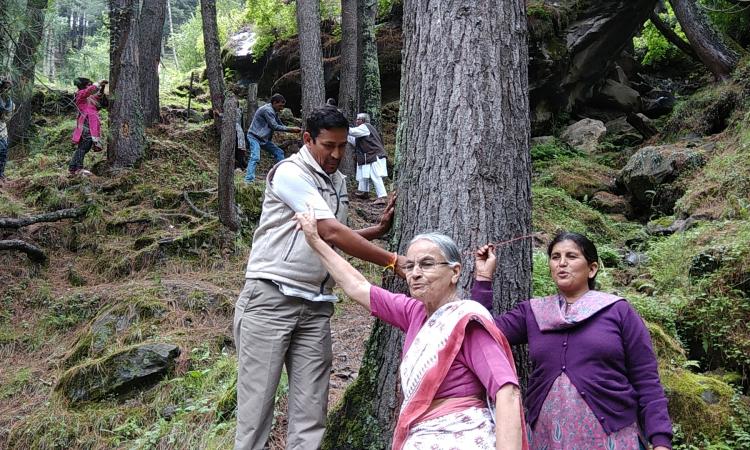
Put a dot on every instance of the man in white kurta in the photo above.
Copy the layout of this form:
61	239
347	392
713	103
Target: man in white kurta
370	156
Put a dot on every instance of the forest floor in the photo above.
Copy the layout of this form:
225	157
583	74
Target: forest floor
144	266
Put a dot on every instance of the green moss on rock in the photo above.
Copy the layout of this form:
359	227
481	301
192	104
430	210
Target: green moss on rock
700	404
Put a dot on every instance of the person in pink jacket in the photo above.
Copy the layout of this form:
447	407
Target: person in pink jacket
87	133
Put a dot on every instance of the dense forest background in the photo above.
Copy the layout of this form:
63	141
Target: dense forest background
625	120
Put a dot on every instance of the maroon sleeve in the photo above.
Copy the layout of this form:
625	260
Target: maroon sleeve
395	309
486	359
643	374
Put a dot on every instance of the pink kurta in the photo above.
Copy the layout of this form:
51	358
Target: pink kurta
480	366
87	103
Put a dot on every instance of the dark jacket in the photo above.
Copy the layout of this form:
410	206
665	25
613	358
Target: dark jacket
369	148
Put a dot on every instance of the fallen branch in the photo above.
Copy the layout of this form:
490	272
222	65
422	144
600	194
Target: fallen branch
191	205
34	253
15	223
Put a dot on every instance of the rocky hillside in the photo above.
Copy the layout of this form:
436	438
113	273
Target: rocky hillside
122	339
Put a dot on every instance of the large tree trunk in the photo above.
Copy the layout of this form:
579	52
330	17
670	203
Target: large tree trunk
464	170
151	30
227	207
348	92
707	42
127	139
369	81
214	71
310	55
24	65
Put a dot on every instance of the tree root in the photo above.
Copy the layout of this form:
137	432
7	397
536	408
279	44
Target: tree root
34	253
15	223
191	205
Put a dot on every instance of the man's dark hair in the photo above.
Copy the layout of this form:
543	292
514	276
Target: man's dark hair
325	118
82	82
275	98
584	244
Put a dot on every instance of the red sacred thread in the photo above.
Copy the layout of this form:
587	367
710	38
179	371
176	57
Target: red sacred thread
501	243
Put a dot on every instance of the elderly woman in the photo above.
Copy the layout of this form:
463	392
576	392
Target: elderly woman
454	361
595	382
88	125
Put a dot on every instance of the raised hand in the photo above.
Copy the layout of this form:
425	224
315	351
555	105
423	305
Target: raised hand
485	263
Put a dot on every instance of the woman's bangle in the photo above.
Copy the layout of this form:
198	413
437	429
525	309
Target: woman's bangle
392	265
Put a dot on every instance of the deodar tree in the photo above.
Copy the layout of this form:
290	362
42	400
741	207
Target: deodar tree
310	55
214	72
151	25
707	42
464	170
369	68
127	140
24	65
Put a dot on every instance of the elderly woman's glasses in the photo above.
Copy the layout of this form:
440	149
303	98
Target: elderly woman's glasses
425	265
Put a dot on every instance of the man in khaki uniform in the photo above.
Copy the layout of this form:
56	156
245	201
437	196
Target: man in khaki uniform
282	316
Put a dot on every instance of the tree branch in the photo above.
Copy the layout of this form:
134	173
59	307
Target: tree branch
15	223
34	253
670	35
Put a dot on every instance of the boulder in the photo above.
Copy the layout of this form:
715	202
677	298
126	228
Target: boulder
585	134
649	171
658	103
706	262
110	324
620	132
618	96
117	375
610	203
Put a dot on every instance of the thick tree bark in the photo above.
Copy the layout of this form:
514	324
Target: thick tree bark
369	81
348	92
670	35
34	253
310	55
24	64
464	170
150	34
707	42
127	139
227	207
214	71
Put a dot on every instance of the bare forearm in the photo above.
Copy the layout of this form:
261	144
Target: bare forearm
347	277
370	233
508	432
352	243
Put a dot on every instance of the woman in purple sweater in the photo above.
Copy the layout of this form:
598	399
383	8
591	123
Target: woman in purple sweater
594	383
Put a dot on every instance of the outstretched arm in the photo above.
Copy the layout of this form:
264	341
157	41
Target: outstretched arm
347	277
508	432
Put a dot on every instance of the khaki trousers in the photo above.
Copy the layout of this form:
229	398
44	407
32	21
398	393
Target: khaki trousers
271	330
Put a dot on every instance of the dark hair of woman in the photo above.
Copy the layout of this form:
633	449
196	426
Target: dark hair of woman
584	245
82	82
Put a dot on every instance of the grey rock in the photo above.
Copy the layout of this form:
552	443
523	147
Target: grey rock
618	96
654	166
585	134
635	259
117	375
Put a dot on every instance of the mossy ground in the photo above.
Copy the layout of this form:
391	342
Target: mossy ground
141	252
